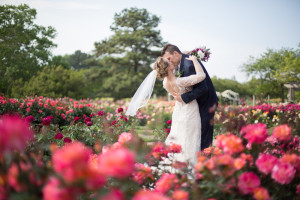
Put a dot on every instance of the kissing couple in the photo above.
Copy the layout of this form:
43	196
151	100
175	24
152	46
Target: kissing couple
195	96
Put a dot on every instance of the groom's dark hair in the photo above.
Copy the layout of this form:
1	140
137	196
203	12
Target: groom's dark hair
170	48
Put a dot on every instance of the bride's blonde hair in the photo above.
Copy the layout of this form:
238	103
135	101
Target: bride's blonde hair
161	66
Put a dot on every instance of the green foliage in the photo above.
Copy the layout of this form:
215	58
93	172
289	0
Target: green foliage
272	69
227	84
129	52
24	46
60	60
54	81
78	60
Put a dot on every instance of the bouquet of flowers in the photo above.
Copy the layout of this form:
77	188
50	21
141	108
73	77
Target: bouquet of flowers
201	53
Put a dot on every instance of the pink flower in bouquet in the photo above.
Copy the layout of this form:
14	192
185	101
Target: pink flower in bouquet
283	173
174	148
169	122
124	137
54	191
180	195
247	182
76	119
71	161
261	193
58	136
141	173
166	182
115	194
229	143
15	134
149	195
255	133
282	133
118	163
266	162
120	110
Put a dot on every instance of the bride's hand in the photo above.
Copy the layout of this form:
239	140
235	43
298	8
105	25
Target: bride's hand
192	58
177	97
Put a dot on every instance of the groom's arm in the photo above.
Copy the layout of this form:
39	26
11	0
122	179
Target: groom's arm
199	89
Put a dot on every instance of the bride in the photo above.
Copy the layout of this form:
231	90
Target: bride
186	123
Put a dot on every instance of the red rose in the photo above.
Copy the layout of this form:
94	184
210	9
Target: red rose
89	123
167	130
87	119
169	122
29	118
46	121
67	140
120	110
101	113
58	136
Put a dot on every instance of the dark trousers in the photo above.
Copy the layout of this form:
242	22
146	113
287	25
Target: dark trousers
207	130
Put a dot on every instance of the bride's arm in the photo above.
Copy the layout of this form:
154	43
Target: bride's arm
197	65
195	78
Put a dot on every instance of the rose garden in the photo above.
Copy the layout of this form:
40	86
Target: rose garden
64	134
89	149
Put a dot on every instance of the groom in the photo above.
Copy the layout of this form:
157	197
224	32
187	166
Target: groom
204	91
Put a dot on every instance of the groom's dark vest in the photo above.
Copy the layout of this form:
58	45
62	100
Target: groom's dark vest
205	94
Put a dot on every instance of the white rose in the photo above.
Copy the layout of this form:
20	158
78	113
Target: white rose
201	54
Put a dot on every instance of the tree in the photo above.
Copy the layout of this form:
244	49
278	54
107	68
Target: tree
60	60
274	68
54	81
78	60
24	46
130	50
227	84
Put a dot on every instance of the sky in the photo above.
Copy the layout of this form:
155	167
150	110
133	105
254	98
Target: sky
234	30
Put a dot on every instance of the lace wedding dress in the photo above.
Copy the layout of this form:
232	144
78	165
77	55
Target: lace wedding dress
186	122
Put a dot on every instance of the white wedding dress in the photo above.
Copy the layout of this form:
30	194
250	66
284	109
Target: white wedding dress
186	122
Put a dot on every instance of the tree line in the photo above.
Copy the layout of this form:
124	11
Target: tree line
117	65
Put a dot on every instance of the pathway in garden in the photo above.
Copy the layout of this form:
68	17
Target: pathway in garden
146	134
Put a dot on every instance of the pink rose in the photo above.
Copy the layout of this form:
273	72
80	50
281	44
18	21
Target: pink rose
124	137
283	173
149	195
255	133
265	163
117	163
15	134
166	182
282	133
247	182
